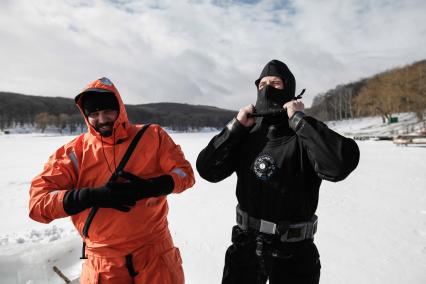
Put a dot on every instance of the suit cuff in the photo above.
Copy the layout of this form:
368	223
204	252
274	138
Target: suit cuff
75	201
236	128
295	120
162	185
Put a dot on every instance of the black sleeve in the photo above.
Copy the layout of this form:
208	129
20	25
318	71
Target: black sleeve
218	160
333	156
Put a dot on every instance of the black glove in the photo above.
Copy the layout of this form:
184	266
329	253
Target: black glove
144	188
107	196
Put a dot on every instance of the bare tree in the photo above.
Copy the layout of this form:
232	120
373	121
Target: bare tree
42	120
63	121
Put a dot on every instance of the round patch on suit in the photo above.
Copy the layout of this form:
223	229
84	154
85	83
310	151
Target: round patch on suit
264	167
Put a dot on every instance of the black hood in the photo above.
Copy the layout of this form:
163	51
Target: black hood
98	99
278	68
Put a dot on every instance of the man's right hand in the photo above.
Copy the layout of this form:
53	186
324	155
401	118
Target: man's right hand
77	200
110	197
242	115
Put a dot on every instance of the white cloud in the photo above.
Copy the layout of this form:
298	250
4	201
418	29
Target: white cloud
202	52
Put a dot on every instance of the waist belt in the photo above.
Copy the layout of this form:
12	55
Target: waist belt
288	232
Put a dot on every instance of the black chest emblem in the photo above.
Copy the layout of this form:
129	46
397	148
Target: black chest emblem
264	167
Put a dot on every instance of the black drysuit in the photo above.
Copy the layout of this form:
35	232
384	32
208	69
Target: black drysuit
279	170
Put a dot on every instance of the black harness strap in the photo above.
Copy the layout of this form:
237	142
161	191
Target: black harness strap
129	152
83	251
113	177
130	267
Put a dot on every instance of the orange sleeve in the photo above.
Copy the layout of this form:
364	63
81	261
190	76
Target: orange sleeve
48	189
173	162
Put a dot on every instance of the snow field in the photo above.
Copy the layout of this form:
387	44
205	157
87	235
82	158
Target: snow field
372	226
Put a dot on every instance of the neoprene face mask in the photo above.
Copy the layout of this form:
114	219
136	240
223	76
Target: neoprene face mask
271	99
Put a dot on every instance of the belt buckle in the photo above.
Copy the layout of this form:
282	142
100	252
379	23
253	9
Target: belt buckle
267	227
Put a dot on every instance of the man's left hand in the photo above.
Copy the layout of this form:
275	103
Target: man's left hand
293	106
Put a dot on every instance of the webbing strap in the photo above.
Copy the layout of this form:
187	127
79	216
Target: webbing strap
89	221
288	232
130	267
113	177
129	152
83	251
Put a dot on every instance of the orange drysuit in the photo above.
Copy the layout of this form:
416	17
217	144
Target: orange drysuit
88	161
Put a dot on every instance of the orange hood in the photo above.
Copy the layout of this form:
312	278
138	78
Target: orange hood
121	124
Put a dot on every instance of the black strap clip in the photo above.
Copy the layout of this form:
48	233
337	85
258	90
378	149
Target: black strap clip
83	251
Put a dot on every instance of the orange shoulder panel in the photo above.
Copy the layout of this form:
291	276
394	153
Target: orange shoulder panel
48	189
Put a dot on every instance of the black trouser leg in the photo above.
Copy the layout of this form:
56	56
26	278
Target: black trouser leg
303	267
241	261
242	266
298	263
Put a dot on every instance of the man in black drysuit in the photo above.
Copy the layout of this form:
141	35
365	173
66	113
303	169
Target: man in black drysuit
280	156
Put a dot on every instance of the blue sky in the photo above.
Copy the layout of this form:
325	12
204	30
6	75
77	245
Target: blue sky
202	52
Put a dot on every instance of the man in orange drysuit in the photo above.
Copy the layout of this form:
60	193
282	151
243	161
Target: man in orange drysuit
128	240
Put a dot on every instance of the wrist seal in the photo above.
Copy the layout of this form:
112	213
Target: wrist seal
294	121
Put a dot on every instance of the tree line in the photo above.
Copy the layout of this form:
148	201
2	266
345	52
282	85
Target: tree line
17	110
394	91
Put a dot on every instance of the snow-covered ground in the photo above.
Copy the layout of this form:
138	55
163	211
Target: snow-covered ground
374	126
372	226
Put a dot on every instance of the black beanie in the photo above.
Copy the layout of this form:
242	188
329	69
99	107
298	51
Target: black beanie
279	69
94	100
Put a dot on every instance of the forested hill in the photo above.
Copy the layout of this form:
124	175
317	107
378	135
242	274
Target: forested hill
17	109
180	116
394	91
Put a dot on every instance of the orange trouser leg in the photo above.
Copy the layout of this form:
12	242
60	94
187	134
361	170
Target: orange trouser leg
157	264
165	268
